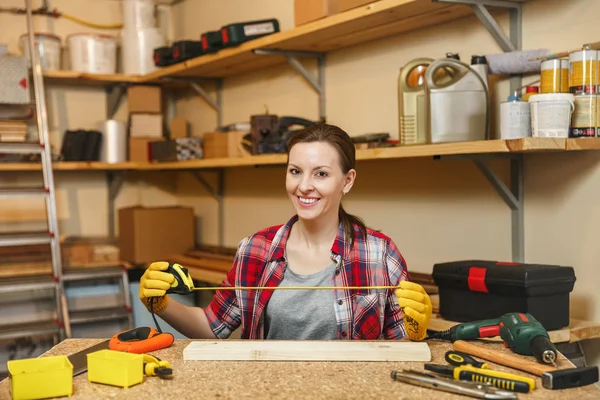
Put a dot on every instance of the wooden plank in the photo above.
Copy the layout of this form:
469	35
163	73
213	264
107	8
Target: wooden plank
583	144
307	350
78	78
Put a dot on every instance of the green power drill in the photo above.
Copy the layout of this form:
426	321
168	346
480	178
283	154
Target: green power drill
522	333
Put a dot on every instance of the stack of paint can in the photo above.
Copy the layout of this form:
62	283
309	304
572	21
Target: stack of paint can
583	84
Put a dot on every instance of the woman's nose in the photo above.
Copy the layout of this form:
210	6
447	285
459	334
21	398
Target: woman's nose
306	184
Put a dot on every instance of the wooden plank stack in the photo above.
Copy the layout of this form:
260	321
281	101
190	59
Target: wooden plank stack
13	130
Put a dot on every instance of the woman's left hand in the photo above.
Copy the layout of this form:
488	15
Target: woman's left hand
415	305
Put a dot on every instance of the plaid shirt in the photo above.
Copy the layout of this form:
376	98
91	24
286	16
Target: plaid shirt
365	314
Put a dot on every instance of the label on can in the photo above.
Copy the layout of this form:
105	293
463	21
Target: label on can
585	116
583	68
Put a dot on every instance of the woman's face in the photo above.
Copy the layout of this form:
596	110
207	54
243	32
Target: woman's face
314	181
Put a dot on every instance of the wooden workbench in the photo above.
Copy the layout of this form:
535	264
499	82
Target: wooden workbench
286	380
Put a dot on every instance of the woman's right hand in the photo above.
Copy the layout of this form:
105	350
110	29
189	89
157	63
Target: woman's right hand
154	284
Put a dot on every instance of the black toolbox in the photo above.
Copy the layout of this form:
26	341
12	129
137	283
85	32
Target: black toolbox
472	290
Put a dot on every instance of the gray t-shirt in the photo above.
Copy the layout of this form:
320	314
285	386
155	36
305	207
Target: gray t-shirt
302	314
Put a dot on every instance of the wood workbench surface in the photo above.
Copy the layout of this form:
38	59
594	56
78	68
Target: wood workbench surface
286	380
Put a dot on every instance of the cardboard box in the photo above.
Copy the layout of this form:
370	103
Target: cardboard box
344	5
311	10
140	149
179	128
144	99
148	234
223	144
146	125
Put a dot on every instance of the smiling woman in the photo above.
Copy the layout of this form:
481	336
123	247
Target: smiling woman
320	246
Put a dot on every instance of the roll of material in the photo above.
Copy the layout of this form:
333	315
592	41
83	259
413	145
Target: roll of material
138	14
515	62
114	141
137	50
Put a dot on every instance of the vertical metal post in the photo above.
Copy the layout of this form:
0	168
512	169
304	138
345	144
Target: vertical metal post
516	37
220	200
114	181
322	98
518	213
219	89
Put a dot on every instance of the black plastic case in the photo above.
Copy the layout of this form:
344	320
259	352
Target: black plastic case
473	290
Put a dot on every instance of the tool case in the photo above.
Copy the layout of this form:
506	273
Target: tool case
472	290
211	41
238	33
186	49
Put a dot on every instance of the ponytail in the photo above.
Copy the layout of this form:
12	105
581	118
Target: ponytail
348	221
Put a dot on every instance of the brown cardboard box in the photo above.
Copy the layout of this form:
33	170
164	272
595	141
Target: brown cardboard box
146	125
344	5
144	99
179	128
310	10
139	148
148	234
223	144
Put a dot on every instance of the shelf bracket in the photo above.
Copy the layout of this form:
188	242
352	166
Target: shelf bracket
114	96
218	194
508	44
317	83
114	181
216	104
513	197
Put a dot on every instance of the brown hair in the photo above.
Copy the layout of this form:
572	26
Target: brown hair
344	146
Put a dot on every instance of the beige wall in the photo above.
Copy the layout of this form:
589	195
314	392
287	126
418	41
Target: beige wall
434	210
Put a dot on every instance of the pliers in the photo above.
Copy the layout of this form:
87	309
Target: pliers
465	388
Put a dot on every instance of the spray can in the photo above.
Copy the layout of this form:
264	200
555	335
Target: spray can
515	119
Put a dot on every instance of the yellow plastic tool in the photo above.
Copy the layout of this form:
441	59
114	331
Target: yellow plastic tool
115	368
40	378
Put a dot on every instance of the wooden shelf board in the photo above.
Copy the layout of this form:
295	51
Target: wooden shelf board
528	145
376	20
78	78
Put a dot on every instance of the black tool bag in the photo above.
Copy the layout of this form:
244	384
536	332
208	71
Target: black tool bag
81	145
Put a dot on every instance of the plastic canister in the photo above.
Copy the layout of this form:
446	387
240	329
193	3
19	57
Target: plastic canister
93	53
49	49
515	119
585	117
551	114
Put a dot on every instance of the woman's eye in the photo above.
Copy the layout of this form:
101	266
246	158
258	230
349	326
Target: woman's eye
321	174
294	171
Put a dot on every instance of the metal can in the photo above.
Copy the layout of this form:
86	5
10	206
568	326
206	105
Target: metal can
583	72
515	119
585	116
554	76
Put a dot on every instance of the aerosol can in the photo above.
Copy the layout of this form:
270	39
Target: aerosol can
412	110
457	100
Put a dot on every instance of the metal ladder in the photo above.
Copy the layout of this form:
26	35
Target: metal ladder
60	326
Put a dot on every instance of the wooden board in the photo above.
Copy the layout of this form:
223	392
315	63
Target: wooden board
307	350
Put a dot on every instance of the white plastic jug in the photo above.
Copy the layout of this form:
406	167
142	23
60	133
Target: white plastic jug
551	114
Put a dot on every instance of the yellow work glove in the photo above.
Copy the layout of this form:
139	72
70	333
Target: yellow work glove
415	305
154	285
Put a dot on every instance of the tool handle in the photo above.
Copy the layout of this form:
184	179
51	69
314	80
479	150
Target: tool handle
499	379
508	360
506	384
458	359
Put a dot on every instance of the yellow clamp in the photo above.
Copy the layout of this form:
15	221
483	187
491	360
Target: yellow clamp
153	364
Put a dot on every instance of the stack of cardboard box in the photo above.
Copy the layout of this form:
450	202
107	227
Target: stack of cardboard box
145	120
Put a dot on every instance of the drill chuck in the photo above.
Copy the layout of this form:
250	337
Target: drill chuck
543	350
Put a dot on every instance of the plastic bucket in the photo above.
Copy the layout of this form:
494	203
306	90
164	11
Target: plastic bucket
49	49
551	114
93	53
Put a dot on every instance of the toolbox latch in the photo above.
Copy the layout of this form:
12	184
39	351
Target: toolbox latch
476	279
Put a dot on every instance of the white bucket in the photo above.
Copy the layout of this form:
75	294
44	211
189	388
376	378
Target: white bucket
48	46
551	114
93	53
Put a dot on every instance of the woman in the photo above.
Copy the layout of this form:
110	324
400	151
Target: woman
321	245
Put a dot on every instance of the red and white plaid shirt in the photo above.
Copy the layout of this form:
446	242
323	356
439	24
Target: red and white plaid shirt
366	314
